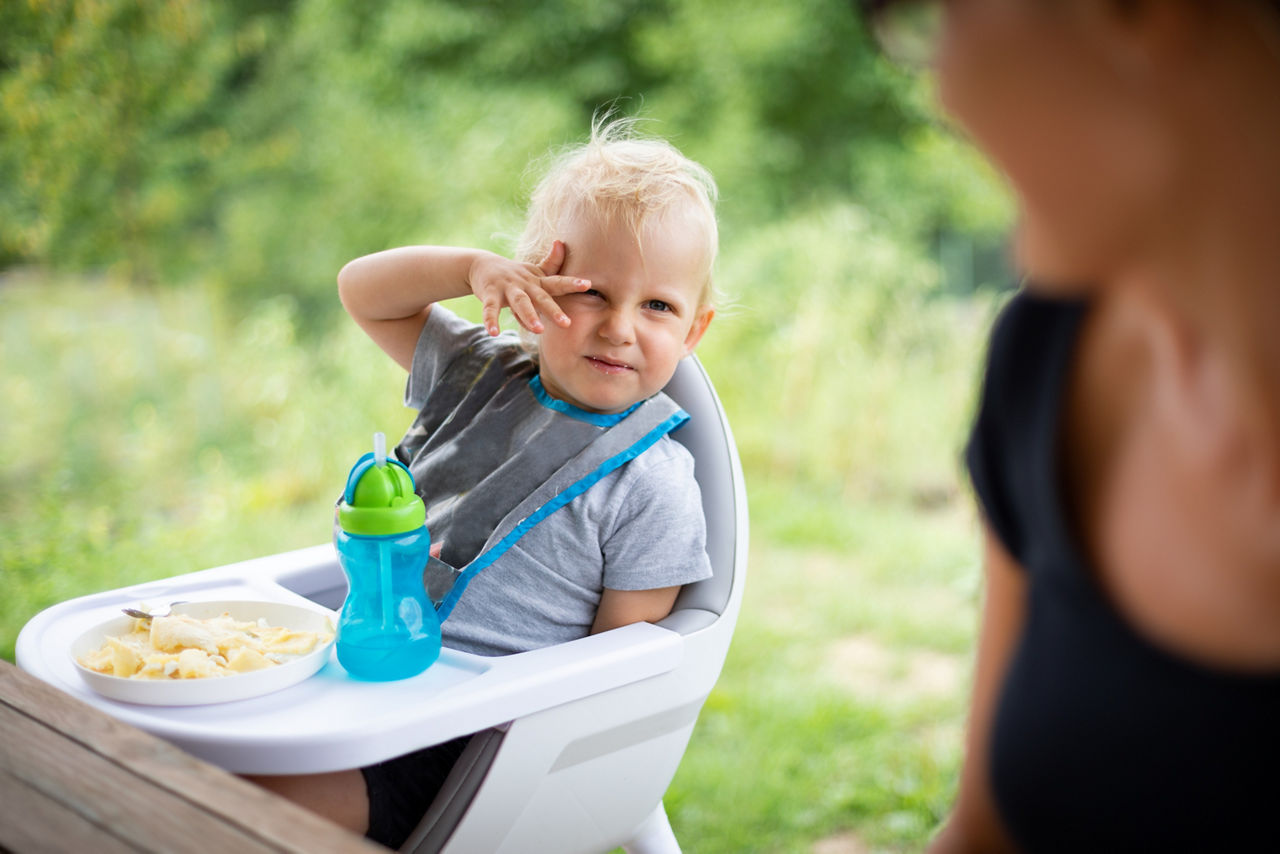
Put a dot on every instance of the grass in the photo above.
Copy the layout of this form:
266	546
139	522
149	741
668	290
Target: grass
148	433
840	708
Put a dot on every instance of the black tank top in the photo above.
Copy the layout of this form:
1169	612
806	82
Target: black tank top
1102	740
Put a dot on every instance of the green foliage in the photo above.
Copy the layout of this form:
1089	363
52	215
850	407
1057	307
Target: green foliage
856	374
259	146
110	137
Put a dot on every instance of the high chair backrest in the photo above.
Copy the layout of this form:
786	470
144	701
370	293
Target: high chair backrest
709	440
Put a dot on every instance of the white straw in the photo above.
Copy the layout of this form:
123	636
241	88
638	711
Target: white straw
380	449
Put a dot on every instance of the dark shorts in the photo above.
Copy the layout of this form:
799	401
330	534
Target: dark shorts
402	789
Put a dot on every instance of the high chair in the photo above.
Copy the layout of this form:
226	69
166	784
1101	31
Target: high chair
574	744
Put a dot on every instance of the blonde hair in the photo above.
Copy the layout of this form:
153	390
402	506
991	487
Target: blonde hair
619	175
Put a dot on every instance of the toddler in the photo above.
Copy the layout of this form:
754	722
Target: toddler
550	482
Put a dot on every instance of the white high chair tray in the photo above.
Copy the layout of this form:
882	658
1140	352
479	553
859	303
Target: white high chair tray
332	721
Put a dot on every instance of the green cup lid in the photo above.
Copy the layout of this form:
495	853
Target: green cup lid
380	499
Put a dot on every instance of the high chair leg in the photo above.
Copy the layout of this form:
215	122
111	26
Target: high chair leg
654	835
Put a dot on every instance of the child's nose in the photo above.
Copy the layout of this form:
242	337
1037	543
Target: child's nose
618	328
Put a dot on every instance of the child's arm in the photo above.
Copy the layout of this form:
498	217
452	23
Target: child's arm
623	607
390	293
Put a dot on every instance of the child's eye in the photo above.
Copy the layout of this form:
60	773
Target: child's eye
657	305
592	292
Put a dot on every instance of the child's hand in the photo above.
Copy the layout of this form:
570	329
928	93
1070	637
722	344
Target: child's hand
529	290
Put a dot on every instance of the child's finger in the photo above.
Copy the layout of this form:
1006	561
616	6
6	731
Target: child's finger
489	316
523	308
564	284
554	260
548	307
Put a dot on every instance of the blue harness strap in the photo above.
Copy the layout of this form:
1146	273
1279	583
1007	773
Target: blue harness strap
491	554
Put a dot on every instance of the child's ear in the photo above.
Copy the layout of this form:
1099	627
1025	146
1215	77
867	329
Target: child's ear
701	321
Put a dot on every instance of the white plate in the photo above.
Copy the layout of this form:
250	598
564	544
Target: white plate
216	689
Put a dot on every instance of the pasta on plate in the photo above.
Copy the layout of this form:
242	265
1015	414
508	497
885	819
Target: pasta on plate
186	647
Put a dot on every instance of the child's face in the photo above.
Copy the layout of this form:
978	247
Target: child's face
640	317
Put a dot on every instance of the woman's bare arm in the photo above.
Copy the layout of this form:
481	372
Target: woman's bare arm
974	825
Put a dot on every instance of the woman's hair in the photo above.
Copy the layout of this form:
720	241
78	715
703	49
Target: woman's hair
619	175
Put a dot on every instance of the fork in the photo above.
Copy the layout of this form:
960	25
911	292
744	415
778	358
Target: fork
140	614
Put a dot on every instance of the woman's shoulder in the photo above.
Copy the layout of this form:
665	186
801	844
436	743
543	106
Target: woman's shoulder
1028	354
1031	325
1010	454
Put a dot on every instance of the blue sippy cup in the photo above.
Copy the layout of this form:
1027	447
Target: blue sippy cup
386	629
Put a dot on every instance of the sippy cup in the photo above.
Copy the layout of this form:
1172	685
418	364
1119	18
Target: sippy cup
386	629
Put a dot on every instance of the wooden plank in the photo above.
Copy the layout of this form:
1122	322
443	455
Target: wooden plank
121	803
116	775
33	823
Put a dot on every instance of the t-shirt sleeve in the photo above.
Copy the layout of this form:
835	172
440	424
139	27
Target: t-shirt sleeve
1012	450
659	535
444	336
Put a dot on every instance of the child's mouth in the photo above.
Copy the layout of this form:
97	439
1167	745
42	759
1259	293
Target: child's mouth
607	366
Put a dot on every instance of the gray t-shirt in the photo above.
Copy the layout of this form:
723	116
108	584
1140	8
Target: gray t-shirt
640	527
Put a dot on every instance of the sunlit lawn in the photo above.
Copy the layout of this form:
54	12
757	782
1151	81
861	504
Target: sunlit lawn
838	716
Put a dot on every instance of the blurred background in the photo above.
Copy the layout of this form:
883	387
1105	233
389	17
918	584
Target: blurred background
180	182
